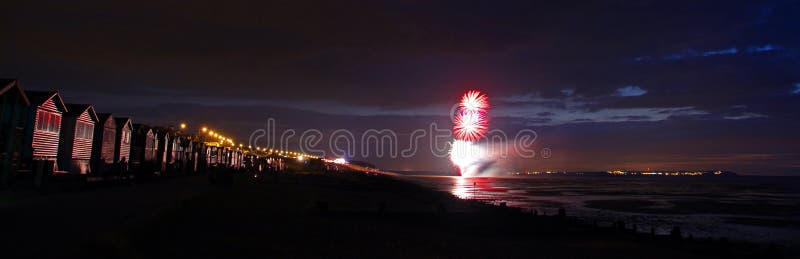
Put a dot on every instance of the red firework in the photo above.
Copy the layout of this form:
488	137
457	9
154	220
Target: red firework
470	126
470	121
474	101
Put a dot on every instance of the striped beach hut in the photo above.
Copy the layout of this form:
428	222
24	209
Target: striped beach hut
176	150
44	126
122	144
77	135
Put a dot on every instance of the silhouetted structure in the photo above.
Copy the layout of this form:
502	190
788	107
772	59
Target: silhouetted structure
13	118
675	233
143	146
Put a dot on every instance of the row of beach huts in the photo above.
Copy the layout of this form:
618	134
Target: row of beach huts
40	134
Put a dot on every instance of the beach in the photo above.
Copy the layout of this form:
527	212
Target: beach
314	215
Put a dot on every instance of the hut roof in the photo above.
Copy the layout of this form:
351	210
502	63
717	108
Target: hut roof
8	84
142	128
104	116
77	109
123	121
40	97
161	131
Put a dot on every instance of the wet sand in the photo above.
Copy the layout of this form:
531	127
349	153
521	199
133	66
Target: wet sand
313	215
749	209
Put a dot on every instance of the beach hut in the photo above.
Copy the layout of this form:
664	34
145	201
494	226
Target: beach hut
176	156
13	117
144	152
196	156
43	128
173	151
105	134
188	155
143	148
162	148
77	134
122	144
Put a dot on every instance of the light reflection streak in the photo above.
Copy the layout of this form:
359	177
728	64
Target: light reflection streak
462	189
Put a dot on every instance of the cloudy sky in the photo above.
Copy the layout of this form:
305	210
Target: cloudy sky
606	85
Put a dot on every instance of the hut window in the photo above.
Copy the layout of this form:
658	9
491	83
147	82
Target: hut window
79	130
47	121
89	131
41	120
83	130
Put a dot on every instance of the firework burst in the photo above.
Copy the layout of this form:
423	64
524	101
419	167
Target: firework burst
474	101
470	125
471	120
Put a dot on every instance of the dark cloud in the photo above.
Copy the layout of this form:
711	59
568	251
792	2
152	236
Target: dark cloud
632	117
545	114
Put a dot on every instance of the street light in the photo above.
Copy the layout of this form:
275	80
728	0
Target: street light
183	125
204	129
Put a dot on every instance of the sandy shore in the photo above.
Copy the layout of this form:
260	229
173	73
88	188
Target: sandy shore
312	215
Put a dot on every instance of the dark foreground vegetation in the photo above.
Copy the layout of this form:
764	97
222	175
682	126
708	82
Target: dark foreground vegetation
302	214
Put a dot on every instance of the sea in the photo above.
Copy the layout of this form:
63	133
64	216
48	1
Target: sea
748	208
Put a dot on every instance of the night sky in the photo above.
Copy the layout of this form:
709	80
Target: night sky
610	85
